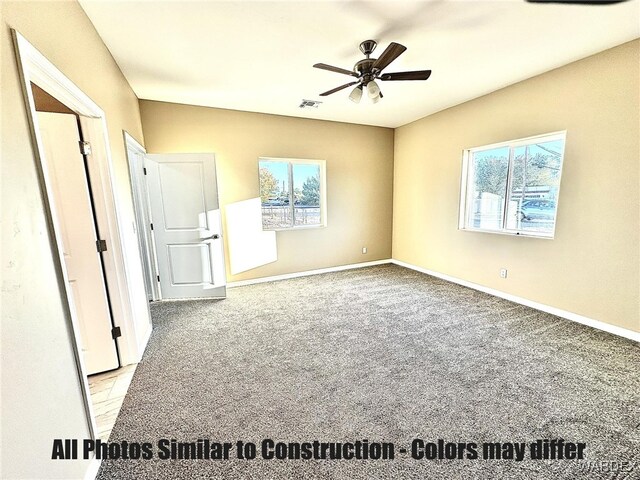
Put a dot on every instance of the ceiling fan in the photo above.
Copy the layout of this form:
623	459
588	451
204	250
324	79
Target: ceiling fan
368	70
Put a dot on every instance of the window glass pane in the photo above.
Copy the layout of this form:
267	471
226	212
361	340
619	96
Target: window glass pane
534	187
306	194
274	194
487	186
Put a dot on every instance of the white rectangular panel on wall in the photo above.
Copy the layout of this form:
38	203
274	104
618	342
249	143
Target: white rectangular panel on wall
249	245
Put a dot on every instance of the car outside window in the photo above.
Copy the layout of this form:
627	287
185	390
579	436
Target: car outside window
292	193
513	187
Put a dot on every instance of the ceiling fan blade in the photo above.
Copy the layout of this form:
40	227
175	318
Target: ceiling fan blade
331	68
337	89
393	51
417	75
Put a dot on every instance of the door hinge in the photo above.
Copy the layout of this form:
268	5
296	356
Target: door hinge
115	332
85	148
101	245
158	277
144	170
151	225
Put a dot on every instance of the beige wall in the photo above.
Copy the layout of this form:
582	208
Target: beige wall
592	266
41	397
359	175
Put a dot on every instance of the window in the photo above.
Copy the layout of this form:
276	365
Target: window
292	192
513	187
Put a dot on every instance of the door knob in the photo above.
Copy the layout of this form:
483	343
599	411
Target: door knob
215	236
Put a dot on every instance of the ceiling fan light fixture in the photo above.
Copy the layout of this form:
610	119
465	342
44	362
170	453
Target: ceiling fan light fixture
368	70
356	94
373	89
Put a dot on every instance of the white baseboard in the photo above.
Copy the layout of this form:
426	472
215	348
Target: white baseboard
307	273
92	471
607	327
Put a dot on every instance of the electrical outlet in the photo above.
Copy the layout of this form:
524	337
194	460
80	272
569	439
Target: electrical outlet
503	273
364	250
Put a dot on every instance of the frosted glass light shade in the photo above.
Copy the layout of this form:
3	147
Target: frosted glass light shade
373	89
356	94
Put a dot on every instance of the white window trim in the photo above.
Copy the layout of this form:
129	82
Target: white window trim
465	205
323	189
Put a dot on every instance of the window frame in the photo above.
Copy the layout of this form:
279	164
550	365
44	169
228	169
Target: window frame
466	204
323	191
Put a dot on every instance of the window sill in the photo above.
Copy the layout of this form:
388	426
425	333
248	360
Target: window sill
287	229
509	233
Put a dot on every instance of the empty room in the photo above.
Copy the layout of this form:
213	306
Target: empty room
325	240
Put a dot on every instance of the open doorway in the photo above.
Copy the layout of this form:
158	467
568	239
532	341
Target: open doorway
73	160
68	159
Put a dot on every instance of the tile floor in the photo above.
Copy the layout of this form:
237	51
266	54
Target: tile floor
107	393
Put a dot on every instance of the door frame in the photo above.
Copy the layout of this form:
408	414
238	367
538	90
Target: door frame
34	67
142	211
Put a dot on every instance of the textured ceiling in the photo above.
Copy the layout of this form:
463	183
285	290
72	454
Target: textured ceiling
258	56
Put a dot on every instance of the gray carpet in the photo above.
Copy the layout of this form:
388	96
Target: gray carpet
384	354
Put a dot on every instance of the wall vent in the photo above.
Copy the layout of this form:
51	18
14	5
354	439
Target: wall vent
309	104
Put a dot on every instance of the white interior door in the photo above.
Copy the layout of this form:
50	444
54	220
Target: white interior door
187	228
75	220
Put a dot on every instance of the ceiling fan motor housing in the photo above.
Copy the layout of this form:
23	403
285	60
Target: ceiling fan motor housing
364	68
